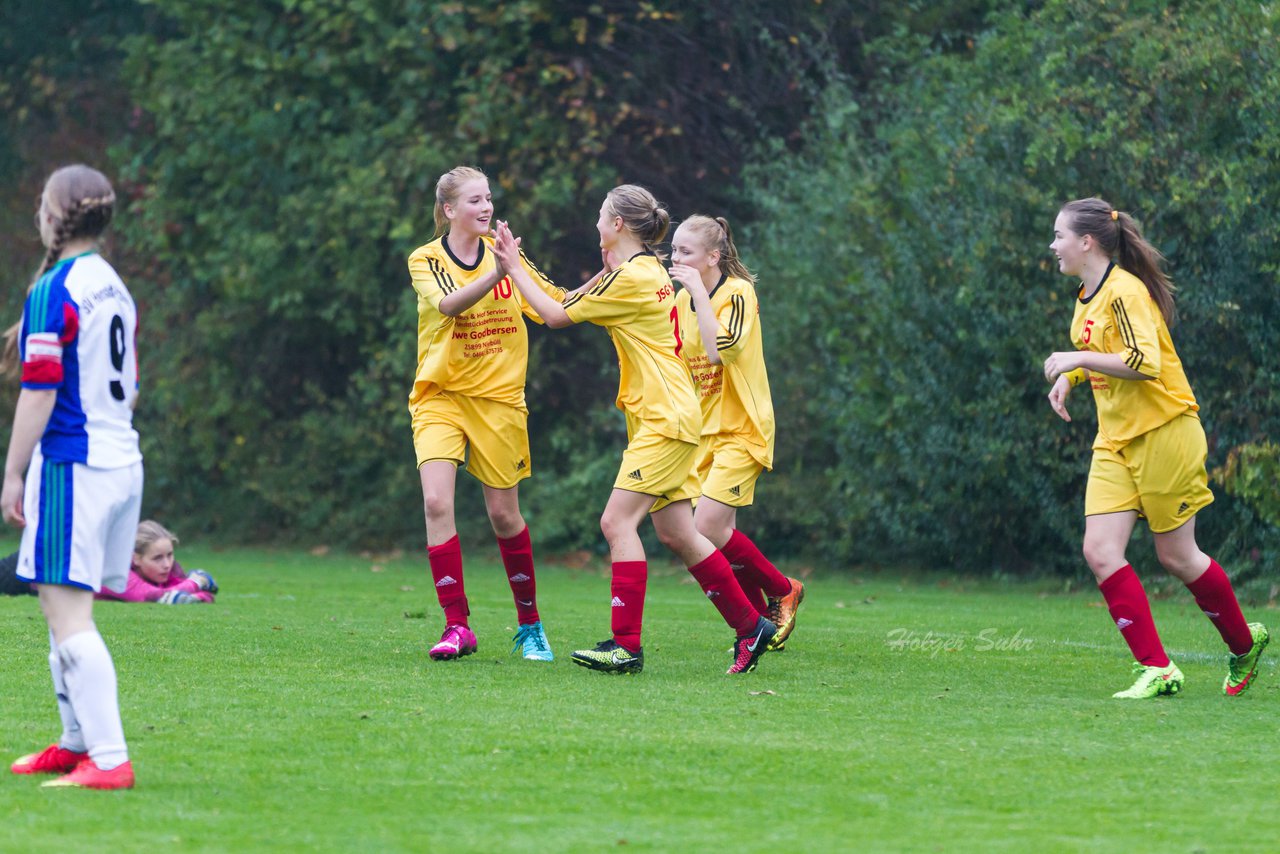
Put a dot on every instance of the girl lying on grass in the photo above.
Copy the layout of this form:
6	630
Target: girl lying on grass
156	576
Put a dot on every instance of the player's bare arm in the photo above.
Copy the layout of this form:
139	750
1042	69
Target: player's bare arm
465	297
507	248
708	325
29	420
1111	364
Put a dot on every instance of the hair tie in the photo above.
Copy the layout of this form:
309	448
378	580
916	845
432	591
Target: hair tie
1115	215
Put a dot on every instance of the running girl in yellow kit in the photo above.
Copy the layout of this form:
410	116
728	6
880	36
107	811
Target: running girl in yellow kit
468	404
726	359
1148	457
635	301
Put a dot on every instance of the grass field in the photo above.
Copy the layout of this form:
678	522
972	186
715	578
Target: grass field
300	712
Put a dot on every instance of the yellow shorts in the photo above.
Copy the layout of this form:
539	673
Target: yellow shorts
655	465
1160	474
727	471
498	434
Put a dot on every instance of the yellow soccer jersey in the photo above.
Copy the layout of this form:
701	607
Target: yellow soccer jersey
483	352
636	303
734	394
1120	317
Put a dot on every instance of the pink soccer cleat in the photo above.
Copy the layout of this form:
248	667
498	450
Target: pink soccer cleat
456	642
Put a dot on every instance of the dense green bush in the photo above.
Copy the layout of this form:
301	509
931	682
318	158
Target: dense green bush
917	219
903	166
286	167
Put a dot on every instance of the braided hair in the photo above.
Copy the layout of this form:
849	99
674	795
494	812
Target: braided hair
87	202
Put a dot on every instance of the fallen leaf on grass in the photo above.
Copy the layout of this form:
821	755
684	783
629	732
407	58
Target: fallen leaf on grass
406	588
377	567
759	693
319	551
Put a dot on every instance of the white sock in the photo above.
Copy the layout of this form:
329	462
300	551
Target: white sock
72	738
90	677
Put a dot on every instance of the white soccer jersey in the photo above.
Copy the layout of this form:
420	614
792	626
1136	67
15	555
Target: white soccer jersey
79	336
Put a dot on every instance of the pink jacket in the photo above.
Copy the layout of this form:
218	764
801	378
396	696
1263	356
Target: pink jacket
138	589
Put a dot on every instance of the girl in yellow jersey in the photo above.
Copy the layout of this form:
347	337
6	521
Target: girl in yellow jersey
468	399
1148	457
634	299
726	359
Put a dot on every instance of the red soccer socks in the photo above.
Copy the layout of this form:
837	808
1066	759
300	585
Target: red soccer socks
716	579
517	559
446	571
1129	607
628	587
1218	601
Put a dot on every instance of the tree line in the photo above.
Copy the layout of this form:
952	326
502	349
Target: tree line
894	170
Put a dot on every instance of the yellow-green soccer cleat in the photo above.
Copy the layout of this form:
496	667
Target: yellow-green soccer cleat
608	657
1152	682
1241	668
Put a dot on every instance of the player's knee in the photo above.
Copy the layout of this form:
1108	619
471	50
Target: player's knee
506	522
437	505
671	539
717	532
613	527
1180	562
1102	556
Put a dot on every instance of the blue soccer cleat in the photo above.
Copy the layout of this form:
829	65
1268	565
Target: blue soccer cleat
531	640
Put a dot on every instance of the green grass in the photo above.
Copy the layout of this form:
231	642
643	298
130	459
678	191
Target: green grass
301	713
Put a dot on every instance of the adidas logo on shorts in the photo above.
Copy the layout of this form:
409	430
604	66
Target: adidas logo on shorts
1123	623
617	603
446	581
1183	508
712	594
519	577
734	490
635	475
520	466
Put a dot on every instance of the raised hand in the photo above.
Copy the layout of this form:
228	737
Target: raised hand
687	276
610	261
506	246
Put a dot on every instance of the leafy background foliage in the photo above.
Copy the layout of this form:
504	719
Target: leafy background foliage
894	170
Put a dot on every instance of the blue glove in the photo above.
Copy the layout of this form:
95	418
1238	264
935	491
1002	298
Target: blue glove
177	597
204	579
